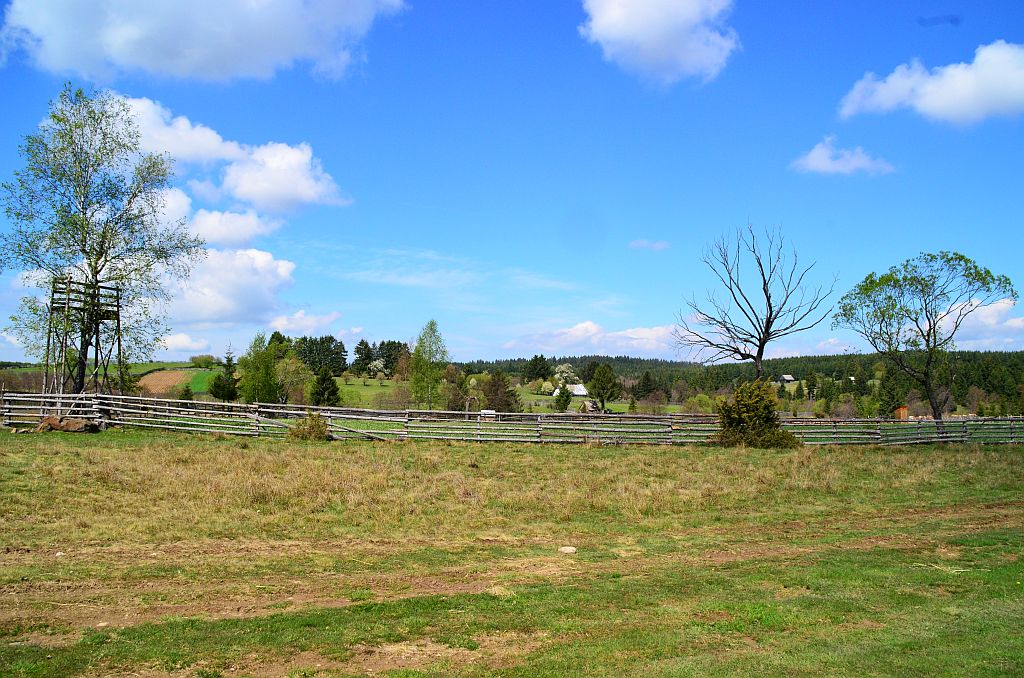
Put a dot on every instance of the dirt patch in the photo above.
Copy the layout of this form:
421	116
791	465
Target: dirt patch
163	382
494	651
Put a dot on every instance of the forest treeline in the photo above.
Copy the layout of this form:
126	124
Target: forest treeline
999	373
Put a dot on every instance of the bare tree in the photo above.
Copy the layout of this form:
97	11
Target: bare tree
766	298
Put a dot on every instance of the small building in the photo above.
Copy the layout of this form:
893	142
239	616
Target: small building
787	379
576	389
902	413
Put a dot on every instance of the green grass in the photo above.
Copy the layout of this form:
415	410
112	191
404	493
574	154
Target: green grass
207	556
201	379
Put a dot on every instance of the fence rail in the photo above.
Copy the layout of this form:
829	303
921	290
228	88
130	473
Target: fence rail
266	419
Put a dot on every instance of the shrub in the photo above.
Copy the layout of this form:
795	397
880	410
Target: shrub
313	427
185	393
750	419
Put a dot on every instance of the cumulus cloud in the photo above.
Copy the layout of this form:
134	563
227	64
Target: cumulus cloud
991	85
183	342
232	286
302	324
278	177
825	158
992	327
665	40
183	140
271	176
191	38
653	245
11	340
590	337
231	228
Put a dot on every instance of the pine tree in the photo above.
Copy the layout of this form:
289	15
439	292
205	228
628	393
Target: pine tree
501	395
364	355
563	398
325	390
224	386
605	385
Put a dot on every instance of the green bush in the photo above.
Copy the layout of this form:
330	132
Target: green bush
750	419
313	427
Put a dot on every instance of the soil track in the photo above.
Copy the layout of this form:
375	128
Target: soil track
162	382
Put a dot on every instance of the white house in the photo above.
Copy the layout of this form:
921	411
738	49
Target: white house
576	389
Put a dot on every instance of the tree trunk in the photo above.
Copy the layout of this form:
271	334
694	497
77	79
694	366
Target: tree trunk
758	367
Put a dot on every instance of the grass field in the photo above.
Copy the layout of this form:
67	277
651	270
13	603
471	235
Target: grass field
143	554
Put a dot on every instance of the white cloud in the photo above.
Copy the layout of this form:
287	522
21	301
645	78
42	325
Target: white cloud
992	327
991	85
231	228
666	40
825	158
191	38
183	140
590	337
232	286
183	342
11	339
653	245
833	345
301	324
272	176
351	331
277	176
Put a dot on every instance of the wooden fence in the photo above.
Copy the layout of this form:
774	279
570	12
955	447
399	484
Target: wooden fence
262	419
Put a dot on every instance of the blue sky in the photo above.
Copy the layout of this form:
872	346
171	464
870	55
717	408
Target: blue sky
542	176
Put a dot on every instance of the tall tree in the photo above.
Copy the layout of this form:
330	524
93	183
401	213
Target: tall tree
911	313
363	356
537	367
605	385
501	396
429	358
390	351
259	382
224	386
320	352
772	301
88	207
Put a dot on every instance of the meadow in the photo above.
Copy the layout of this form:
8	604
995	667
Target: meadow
128	553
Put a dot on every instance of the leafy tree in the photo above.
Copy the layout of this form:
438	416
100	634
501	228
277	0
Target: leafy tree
604	385
563	398
204	361
770	302
890	395
501	396
363	357
455	390
427	365
390	352
259	382
565	374
279	344
782	392
185	393
537	368
88	207
911	313
294	377
325	390
798	392
320	352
